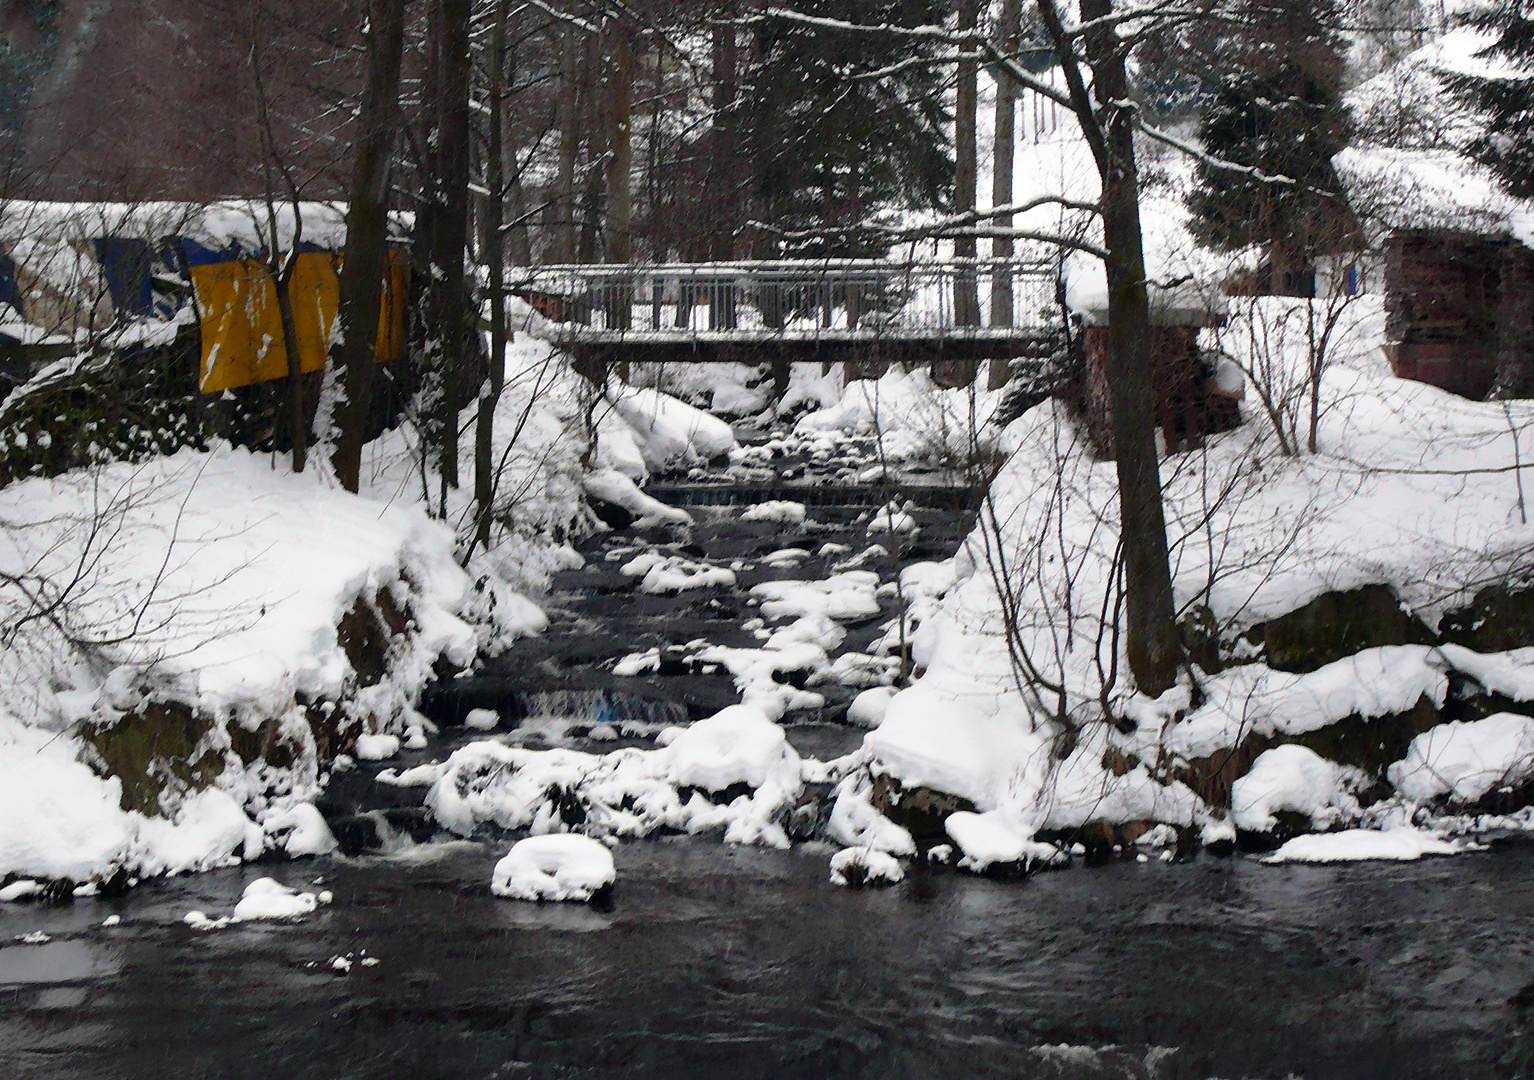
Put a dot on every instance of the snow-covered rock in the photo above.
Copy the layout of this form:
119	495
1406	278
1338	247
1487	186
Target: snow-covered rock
266	898
857	866
1357	845
1297	779
1466	761
559	866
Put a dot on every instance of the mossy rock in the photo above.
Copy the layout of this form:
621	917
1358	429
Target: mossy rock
154	748
1337	625
1500	617
366	632
1371	745
921	811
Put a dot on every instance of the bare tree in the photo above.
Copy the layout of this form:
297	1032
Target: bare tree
367	225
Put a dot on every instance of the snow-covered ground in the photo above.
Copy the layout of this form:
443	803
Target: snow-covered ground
1026	708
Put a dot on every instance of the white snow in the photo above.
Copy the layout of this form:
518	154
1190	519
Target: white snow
1467	760
19	890
868	708
1295	778
673	573
632	792
780	510
670	432
555	867
866	866
988	839
377	747
848	596
1356	845
481	719
307	832
612	486
266	898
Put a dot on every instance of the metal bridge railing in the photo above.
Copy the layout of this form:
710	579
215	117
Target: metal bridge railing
821	299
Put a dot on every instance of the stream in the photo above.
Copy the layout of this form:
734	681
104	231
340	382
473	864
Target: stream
719	961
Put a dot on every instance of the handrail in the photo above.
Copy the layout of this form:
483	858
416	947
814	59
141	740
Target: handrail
831	298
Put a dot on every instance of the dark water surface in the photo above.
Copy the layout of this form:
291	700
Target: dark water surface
724	962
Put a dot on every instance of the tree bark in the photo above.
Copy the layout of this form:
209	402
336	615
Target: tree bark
367	226
1004	149
618	52
722	140
450	234
566	116
1151	641
484	426
966	296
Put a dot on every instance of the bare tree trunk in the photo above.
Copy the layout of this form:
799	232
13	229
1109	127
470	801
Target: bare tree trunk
484	427
1004	151
966	297
569	144
1151	641
451	232
722	141
367	226
280	268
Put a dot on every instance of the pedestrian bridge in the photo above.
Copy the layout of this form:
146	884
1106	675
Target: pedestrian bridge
825	309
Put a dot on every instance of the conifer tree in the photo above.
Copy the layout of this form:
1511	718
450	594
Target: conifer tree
1276	109
1504	97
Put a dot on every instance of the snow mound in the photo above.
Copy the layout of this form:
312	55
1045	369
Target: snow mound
612	486
988	840
1297	779
865	866
1358	845
670	432
782	510
1466	761
849	596
868	708
377	747
738	755
266	898
673	574
554	867
737	745
307	832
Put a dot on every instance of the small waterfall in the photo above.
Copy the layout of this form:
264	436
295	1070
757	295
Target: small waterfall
597	707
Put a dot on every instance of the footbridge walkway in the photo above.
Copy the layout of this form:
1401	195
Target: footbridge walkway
862	310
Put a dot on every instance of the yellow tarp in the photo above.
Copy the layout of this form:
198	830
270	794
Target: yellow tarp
241	327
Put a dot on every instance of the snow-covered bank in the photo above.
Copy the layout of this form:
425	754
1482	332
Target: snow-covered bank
192	639
1411	489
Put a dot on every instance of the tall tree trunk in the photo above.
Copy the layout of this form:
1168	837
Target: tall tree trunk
567	118
367	226
450	234
484	427
966	301
618	51
1151	641
280	268
1004	152
722	141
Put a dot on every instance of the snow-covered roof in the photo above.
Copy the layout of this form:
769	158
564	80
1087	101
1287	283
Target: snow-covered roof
219	225
1409	171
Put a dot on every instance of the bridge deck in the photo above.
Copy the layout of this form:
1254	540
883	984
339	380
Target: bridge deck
800	309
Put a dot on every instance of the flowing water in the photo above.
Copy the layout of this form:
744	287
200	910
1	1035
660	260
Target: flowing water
714	961
711	961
